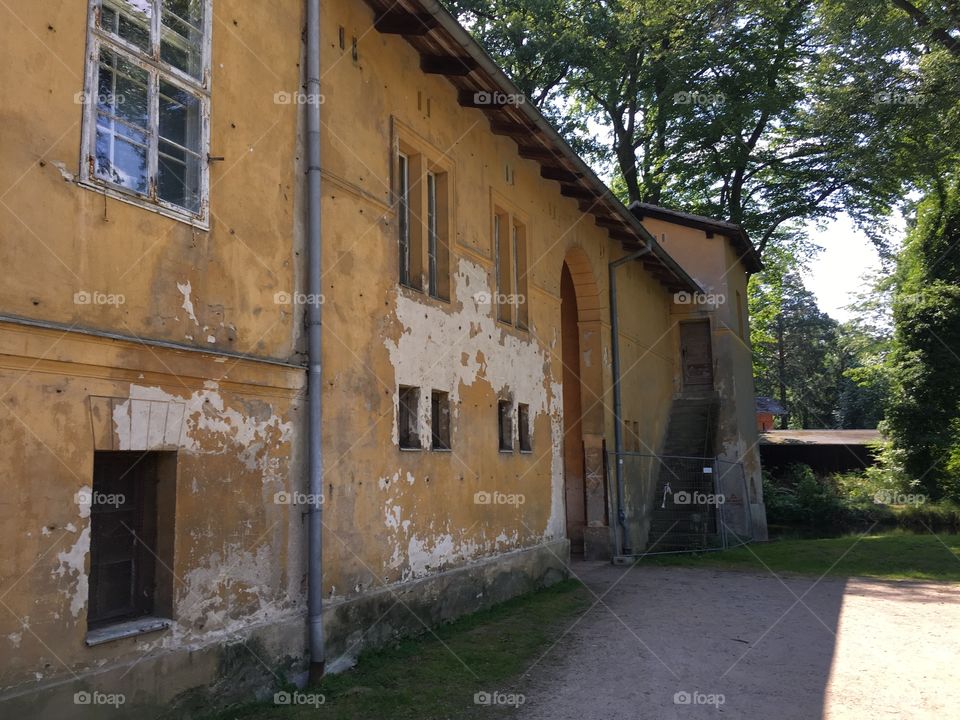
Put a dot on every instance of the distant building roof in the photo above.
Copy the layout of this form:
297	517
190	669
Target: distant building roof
738	236
820	437
769	405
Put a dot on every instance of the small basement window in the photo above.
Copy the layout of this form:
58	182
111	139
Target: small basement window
440	420
523	427
505	425
131	543
407	413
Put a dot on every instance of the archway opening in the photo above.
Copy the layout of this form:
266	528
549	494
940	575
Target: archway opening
573	465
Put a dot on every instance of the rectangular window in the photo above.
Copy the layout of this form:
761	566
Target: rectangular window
147	101
131	536
523	427
403	211
510	258
504	266
440	420
408	425
505	425
422	196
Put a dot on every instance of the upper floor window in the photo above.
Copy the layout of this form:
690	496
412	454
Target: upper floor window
147	102
423	220
510	258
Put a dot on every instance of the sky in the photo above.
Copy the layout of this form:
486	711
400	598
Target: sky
838	270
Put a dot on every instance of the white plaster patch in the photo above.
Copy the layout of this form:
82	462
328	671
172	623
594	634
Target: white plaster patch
15	639
187	305
71	562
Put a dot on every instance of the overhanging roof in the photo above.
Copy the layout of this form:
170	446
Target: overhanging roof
820	437
446	48
738	236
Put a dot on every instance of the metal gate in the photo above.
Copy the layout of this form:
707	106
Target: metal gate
682	504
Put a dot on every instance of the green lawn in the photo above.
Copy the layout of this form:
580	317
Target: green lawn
425	678
891	556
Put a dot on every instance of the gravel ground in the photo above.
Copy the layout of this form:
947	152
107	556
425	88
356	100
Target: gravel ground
742	645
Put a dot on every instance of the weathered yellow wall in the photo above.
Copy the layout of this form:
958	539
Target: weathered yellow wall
238	556
395	515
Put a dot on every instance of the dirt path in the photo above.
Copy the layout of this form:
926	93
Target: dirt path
742	646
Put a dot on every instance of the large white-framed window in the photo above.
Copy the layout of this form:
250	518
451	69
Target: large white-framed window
146	132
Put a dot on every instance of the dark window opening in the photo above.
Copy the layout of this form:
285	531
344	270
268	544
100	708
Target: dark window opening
131	536
523	427
440	420
408	430
403	211
505	425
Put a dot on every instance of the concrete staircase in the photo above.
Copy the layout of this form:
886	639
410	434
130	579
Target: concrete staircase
691	437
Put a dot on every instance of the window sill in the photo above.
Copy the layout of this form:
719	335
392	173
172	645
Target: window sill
140	202
526	452
441	450
410	449
126	629
506	452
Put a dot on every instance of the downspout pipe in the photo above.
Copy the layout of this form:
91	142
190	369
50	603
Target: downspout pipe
617	401
314	347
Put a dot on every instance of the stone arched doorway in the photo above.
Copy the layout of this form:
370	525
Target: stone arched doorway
580	339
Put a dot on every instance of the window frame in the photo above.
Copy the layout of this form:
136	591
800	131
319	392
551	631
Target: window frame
159	71
524	436
505	425
509	228
440	435
407	434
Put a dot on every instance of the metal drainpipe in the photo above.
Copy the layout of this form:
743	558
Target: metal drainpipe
617	405
314	342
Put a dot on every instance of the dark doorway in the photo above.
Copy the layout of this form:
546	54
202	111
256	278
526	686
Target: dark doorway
696	355
573	473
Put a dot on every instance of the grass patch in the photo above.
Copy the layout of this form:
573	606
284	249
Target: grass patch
423	678
890	556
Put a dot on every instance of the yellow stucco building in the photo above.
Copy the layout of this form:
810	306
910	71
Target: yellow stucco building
158	240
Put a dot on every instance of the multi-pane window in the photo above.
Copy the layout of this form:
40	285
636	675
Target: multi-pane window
440	420
408	426
424	226
510	254
505	425
523	427
147	102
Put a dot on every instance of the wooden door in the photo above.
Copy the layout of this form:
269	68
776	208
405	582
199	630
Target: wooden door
696	355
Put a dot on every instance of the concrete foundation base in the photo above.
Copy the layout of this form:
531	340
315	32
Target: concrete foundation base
406	609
